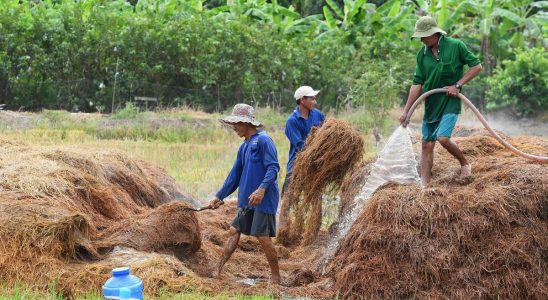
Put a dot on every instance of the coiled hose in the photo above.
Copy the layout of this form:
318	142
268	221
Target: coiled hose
542	159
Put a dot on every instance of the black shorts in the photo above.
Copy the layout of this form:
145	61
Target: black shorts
255	223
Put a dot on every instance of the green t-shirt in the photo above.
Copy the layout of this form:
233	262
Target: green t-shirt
445	70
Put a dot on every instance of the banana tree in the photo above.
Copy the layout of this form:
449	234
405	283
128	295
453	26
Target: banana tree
171	8
350	20
499	25
524	21
285	19
383	26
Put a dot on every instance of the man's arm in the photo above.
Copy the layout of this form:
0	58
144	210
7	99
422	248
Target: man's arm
293	134
322	118
470	74
270	162
414	93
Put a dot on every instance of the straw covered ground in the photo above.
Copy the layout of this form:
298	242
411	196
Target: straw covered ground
70	215
61	207
455	239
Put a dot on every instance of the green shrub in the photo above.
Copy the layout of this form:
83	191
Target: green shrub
375	85
130	111
521	85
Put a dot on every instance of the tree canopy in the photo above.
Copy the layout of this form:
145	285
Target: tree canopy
91	55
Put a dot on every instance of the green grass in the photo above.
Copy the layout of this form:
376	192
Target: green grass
22	291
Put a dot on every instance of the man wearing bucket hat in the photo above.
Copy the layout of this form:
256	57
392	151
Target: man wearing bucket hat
440	64
298	126
254	173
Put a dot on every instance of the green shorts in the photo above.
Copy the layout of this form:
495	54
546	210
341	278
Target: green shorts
255	223
442	128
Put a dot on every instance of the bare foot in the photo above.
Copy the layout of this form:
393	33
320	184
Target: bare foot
215	274
275	280
466	171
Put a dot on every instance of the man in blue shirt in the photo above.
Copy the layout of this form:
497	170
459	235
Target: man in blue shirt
298	126
254	173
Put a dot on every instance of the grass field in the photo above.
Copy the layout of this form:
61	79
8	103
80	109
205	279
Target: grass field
197	151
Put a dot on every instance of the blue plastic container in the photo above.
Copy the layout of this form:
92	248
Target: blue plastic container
123	285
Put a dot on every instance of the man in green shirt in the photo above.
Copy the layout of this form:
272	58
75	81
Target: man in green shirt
440	64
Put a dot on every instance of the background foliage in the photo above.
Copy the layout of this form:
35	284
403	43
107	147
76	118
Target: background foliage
97	55
522	86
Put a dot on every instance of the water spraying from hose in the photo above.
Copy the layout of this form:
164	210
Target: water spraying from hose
395	163
542	159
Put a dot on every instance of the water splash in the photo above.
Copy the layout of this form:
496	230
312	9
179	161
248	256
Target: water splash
248	281
395	163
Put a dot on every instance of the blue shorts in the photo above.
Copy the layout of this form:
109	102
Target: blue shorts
441	128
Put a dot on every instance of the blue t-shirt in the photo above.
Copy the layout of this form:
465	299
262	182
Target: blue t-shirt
297	129
256	166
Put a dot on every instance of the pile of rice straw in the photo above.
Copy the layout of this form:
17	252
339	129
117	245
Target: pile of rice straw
330	153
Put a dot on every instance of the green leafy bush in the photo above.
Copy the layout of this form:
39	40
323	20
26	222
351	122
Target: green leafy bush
130	111
66	54
376	85
521	85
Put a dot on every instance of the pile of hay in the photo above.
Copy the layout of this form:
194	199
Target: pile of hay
330	152
61	207
69	216
480	239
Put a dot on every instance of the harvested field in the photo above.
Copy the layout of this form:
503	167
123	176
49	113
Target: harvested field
69	216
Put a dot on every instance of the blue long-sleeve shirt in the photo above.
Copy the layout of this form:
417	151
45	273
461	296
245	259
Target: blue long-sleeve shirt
256	166
297	129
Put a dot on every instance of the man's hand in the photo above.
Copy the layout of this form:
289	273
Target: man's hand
256	197
452	91
215	203
402	119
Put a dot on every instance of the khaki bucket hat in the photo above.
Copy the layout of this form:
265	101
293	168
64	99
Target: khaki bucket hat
426	26
241	113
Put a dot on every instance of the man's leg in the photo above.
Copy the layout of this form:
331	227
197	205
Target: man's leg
271	256
427	161
230	246
451	147
443	135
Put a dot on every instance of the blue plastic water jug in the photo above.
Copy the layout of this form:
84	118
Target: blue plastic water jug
122	285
